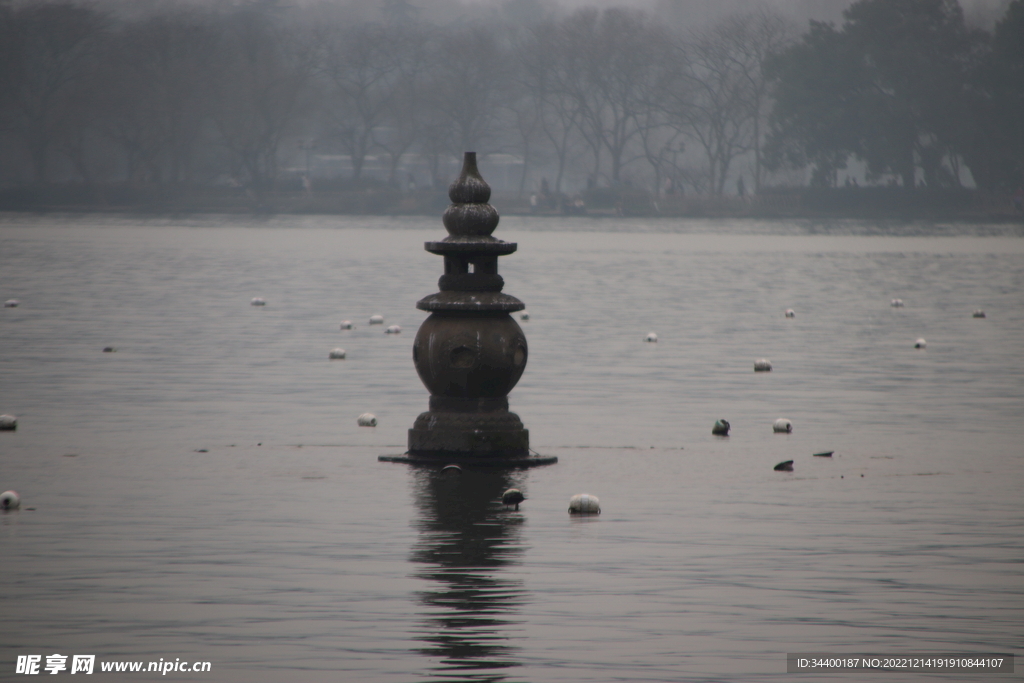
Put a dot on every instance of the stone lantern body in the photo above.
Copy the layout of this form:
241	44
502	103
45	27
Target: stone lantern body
470	352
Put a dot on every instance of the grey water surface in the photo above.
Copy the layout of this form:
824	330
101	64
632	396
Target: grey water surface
204	493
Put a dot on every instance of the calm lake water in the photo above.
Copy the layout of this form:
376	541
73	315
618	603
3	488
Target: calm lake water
205	494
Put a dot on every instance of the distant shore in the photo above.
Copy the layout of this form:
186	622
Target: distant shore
954	204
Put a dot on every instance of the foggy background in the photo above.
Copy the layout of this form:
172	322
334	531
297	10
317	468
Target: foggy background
594	100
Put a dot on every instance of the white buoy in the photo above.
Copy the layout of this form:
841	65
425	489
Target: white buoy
762	365
393	329
376	320
896	303
336	354
525	315
10	500
651	337
584	504
979	313
920	343
11	303
8	423
258	302
790	313
367	420
782	426
347	325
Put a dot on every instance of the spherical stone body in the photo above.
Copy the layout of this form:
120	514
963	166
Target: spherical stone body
472	355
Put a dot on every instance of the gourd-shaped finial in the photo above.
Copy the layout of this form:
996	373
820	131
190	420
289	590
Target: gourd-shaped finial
469	214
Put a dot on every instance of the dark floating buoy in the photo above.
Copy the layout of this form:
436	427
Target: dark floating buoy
721	428
762	365
8	423
979	313
824	454
784	466
109	349
513	497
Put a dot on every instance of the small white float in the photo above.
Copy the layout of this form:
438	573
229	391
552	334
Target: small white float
8	423
512	497
258	302
376	320
896	303
393	329
790	313
525	315
11	303
979	313
10	500
762	365
347	325
336	354
920	343
367	420
584	504
651	337
782	426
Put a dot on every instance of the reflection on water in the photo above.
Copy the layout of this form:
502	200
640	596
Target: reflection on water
466	539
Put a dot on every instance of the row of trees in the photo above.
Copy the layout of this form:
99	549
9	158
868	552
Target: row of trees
187	96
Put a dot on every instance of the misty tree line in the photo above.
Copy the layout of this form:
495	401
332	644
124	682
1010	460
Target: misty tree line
189	95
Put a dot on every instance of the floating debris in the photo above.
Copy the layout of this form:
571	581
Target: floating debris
762	365
721	428
979	314
10	500
367	420
782	426
824	454
513	497
784	466
8	423
584	504
525	315
336	354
